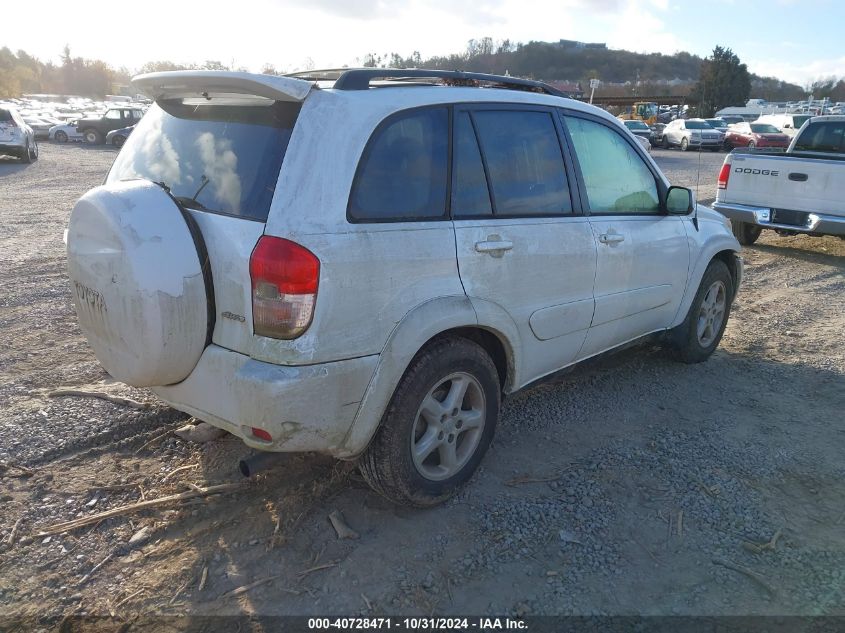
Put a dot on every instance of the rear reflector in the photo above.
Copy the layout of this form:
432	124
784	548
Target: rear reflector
724	174
284	278
261	434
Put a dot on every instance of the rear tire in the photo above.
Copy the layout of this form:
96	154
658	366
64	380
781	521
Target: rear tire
665	143
694	340
118	140
26	157
92	136
438	425
745	233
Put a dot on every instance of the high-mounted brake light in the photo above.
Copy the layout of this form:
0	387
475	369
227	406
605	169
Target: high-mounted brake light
284	278
724	175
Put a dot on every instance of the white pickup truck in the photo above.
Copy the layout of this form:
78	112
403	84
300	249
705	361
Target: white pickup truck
801	191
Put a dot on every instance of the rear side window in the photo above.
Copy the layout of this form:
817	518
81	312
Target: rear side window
616	178
470	196
822	136
219	157
403	171
524	162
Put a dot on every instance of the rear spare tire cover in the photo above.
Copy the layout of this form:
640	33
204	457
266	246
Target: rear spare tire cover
137	282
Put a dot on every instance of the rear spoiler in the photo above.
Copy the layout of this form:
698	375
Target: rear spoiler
202	83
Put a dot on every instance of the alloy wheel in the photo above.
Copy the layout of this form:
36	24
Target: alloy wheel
448	426
711	314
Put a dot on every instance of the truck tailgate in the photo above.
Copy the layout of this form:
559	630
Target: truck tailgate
815	185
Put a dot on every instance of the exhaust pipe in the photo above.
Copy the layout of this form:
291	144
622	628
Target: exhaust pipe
255	463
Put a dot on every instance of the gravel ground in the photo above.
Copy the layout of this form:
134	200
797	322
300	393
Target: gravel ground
655	484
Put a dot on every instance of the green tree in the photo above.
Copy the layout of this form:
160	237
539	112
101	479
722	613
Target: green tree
723	81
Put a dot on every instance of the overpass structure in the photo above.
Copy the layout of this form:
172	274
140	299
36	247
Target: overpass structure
629	101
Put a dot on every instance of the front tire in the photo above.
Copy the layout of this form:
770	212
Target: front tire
745	233
694	340
438	425
60	137
118	140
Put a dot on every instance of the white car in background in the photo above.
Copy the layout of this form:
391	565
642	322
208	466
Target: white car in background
16	137
65	132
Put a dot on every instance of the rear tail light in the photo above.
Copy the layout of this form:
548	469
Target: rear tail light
284	278
724	175
261	434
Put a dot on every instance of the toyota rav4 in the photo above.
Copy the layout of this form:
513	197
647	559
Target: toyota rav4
364	262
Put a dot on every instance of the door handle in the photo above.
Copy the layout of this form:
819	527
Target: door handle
611	238
495	247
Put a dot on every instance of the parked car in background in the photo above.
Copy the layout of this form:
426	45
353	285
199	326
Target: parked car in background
65	132
94	129
718	124
730	119
788	124
691	134
118	137
638	129
16	137
656	136
753	135
801	191
234	299
40	127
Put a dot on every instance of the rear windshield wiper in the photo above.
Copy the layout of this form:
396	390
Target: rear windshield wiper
191	202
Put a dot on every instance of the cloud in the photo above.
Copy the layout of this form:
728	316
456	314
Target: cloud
801	74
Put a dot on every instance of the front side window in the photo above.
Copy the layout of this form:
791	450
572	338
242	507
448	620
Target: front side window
524	162
403	171
113	114
616	178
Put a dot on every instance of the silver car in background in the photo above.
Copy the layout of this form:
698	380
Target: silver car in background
692	133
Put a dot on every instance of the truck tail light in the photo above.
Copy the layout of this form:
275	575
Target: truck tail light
724	175
284	278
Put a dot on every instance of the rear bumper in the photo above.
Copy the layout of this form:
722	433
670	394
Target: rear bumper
12	148
819	223
305	408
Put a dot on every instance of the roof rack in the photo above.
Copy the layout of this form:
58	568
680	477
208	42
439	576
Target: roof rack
360	78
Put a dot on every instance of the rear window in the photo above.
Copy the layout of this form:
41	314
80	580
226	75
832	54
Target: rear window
524	162
5	115
822	136
219	157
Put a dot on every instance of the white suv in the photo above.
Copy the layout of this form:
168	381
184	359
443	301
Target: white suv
363	262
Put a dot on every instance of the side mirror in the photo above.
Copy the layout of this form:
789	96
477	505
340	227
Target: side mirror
679	201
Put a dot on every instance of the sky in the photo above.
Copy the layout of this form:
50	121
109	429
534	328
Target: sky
795	40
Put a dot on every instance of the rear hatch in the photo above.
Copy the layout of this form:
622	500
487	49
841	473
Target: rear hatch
214	143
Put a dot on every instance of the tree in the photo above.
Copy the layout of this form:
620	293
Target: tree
723	81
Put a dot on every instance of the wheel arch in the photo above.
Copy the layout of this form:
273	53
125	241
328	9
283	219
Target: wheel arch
430	321
723	247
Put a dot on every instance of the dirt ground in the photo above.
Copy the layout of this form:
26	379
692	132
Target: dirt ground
632	485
